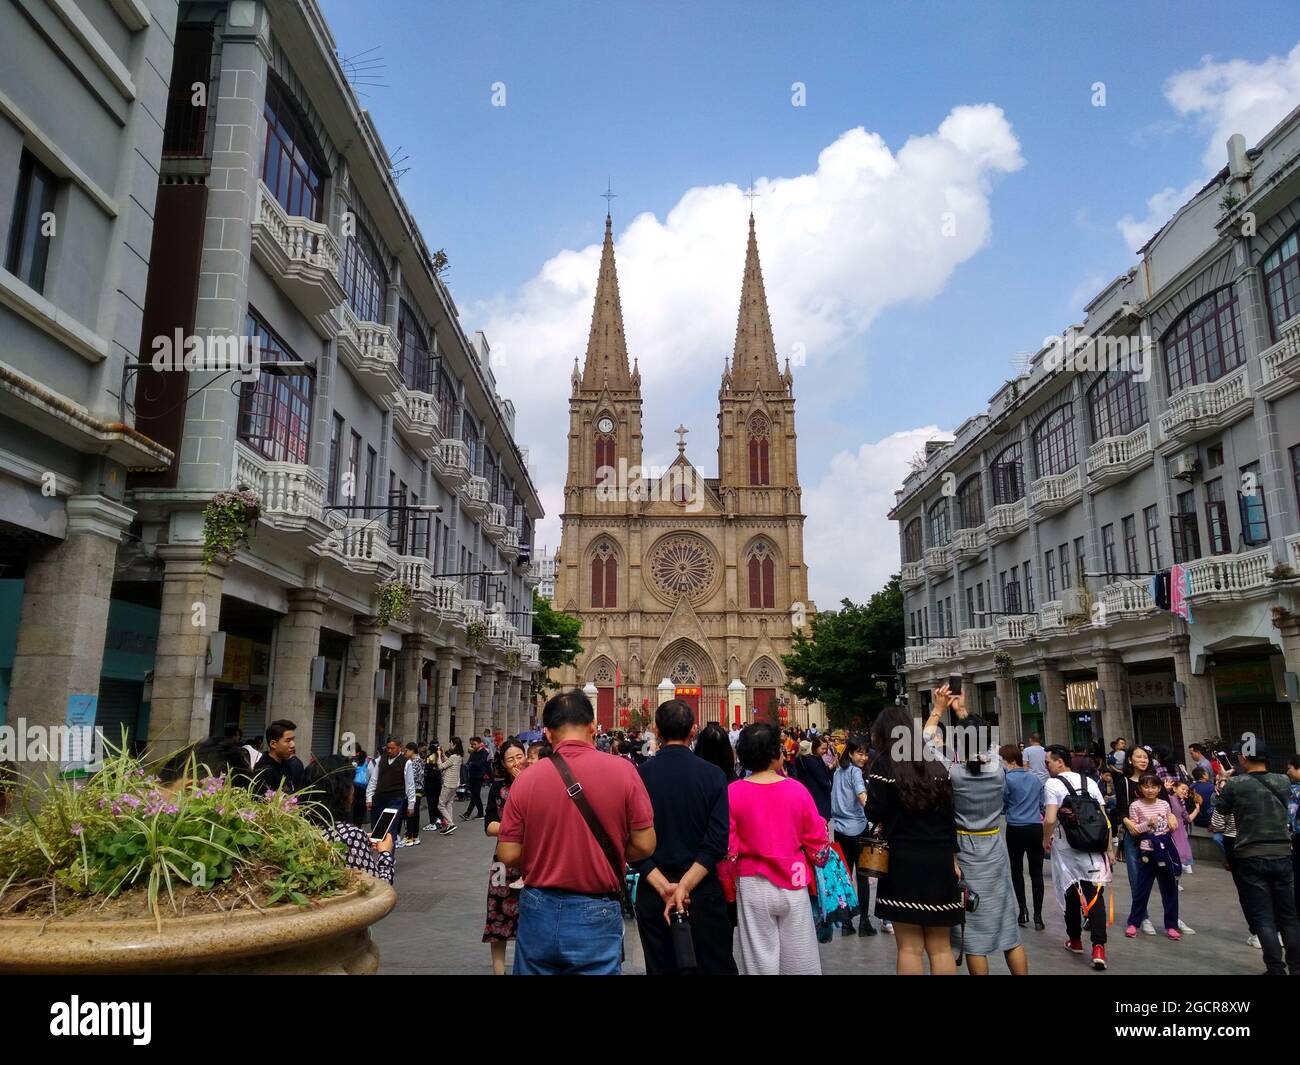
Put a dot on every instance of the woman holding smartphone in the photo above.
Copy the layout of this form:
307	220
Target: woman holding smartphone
504	882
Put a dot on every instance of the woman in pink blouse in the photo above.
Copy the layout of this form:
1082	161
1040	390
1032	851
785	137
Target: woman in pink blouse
777	837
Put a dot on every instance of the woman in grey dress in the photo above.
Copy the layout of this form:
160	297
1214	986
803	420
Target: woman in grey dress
977	789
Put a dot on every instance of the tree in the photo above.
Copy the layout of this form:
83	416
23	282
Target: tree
845	656
556	636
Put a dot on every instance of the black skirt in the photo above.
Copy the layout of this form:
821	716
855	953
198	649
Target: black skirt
920	886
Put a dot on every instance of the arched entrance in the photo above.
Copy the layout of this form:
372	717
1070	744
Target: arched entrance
764	680
694	678
601	673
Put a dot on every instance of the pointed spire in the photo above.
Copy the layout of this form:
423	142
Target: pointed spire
754	361
606	346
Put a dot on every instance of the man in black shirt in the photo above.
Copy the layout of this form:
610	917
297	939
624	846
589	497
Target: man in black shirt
279	766
689	796
476	771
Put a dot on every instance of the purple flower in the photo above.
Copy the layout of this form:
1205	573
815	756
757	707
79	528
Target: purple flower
247	815
131	801
102	803
76	829
291	801
270	794
221	809
117	810
170	808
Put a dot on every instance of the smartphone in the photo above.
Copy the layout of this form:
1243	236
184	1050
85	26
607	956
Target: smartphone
384	825
954	684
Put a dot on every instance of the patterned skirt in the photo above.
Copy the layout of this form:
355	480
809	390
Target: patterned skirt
920	887
502	905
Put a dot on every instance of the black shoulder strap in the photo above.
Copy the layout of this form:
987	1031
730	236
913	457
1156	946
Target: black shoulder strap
574	790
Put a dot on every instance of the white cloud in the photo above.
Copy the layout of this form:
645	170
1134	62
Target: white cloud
850	546
863	231
1236	96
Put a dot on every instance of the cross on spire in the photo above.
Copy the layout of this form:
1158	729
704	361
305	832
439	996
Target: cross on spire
681	432
608	195
751	195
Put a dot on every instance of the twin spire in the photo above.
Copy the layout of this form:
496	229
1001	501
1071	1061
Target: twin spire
753	361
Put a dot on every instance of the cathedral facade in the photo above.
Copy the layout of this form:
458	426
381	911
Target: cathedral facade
682	580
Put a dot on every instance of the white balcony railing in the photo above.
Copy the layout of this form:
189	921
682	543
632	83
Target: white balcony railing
291	494
444	597
370	349
509	543
1054	492
937	560
474	494
943	649
499	629
1050	616
1281	362
532	656
419	417
1203	409
1125	599
1293	553
973	641
967	543
1007	519
361	544
1015	629
451	462
1228	577
473	609
913	573
302	254
916	655
494	521
1118	456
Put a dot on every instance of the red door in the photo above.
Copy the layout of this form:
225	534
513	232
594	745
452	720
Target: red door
691	697
764	699
605	708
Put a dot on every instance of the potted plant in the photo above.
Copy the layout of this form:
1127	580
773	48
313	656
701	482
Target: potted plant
1002	664
227	520
475	635
119	872
394	601
512	660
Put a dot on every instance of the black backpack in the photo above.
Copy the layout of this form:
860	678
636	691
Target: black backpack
1084	820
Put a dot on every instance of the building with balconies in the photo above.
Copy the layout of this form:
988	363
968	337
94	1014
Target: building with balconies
368	427
1163	430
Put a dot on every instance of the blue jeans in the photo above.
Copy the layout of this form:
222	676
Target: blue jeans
1268	899
562	933
1133	865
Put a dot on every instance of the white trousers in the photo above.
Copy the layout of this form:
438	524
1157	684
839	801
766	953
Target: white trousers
777	935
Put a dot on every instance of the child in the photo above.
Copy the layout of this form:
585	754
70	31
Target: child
1151	821
1180	802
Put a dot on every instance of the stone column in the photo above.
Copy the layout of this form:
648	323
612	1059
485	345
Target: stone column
1008	709
1055	717
1112	680
466	687
360	667
1288	623
913	696
406	698
516	706
502	707
447	662
191	612
64	618
1200	712
487	690
297	642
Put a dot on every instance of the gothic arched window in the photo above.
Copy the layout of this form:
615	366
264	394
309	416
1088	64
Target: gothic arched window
604	576
758	468
604	444
762	577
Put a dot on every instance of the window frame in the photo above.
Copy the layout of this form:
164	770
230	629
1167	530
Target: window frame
1117	405
278	401
288	130
1008	475
1184	345
27	251
1288	280
1054	442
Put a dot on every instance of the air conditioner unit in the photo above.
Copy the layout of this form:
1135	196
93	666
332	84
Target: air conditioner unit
1184	465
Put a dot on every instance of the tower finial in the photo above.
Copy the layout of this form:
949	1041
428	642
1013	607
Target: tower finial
608	195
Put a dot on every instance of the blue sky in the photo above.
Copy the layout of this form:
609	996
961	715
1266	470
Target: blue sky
674	101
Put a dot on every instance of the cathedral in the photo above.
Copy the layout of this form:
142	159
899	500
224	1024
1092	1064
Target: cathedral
683	581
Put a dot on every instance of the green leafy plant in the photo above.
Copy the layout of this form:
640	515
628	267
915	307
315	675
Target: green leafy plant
227	520
1002	664
394	601
476	635
512	660
122	831
1282	572
1229	201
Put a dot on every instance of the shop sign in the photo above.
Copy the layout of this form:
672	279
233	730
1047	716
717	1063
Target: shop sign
1080	695
237	666
1151	689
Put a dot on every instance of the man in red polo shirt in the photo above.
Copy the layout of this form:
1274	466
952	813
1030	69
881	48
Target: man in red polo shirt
570	918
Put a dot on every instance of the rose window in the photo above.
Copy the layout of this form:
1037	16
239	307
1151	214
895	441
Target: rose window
682	566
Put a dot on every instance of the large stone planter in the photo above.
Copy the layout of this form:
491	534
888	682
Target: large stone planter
330	937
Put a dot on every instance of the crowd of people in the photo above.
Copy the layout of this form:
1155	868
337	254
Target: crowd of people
761	841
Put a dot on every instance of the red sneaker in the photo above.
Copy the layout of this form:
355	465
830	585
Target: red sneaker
1074	946
1098	956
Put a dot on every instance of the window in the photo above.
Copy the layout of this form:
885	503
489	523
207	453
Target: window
604	576
469	434
1117	405
354	461
1131	544
979	604
1011	592
1080	566
970	608
275	412
758	450
364	278
1205	343
939	524
185	129
336	440
29	243
762	577
1295	473
1183	529
1008	476
414	358
1216	518
491	476
1029	587
912	536
1064	554
1108	549
925	621
1281	271
604	453
291	166
1054	442
970	503
1250	501
1049	565
1214	456
367	496
446	392
1151	519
